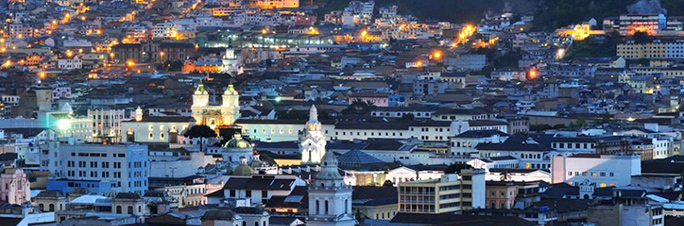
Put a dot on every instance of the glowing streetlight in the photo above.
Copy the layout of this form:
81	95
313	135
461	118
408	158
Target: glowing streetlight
64	124
560	53
437	55
532	74
130	63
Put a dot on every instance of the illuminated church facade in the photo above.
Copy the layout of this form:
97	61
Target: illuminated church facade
215	116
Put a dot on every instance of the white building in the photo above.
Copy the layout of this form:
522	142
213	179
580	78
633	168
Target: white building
150	129
464	144
312	142
177	163
602	170
415	172
70	64
102	168
107	124
231	63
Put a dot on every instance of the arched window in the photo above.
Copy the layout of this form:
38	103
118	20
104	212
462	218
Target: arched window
264	223
118	209
52	207
318	207
41	207
256	223
244	223
326	207
130	210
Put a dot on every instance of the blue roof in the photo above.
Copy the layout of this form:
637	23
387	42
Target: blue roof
356	157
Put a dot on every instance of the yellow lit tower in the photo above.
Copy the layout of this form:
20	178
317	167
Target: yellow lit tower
200	101
230	109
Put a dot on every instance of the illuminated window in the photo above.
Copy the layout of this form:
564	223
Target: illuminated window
150	127
603	185
593	174
151	135
161	135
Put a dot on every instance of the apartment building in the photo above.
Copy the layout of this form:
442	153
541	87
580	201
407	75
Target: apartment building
656	49
602	170
98	168
449	193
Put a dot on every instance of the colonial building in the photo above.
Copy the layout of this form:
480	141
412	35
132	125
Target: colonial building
329	198
215	116
14	186
312	141
153	129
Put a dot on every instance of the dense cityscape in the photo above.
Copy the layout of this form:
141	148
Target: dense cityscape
341	112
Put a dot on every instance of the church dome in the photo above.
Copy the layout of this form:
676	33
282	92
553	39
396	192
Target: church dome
237	142
243	170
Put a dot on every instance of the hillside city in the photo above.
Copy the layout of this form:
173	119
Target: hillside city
339	113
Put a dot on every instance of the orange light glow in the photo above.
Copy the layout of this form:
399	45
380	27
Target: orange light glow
437	55
532	74
580	32
130	63
465	33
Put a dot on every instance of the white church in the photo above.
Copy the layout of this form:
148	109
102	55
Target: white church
312	141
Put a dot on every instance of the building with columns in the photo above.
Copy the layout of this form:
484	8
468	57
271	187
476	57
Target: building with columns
215	116
329	198
312	141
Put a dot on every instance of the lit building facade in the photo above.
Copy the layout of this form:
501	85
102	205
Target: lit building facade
450	193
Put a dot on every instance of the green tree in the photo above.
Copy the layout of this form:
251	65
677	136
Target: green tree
200	131
456	167
359	107
407	118
641	37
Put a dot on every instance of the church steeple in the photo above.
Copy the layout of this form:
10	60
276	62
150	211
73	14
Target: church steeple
201	96
312	141
329	169
329	197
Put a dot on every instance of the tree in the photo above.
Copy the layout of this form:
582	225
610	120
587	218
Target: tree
407	118
359	107
200	131
641	37
456	167
388	183
505	175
